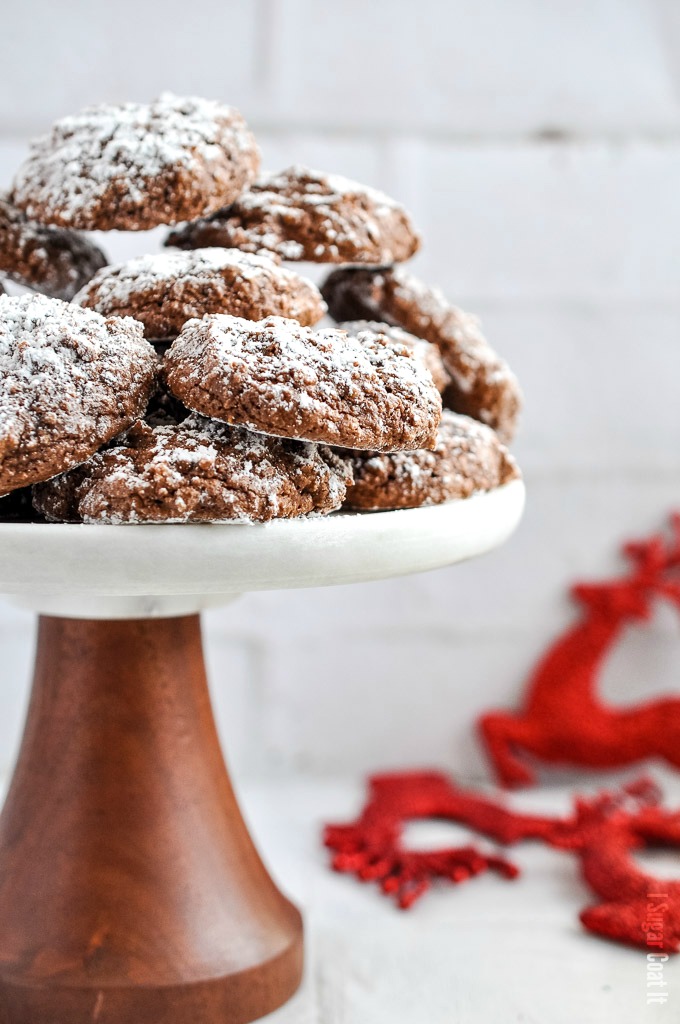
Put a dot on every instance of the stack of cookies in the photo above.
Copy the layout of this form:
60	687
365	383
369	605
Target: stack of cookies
196	385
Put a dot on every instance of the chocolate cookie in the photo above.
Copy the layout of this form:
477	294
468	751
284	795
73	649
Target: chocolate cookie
468	458
280	378
69	381
135	166
197	472
166	290
421	349
301	214
482	385
48	260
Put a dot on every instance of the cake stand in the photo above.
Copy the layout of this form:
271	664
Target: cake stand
130	889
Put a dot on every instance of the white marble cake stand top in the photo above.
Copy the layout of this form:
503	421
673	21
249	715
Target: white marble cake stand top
140	571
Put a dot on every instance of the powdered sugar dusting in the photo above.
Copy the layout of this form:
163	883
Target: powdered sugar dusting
53	261
199	471
72	169
116	285
164	291
67	378
458	334
468	459
298	187
423	350
306	214
279	377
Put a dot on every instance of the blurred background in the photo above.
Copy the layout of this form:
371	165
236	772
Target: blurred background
538	148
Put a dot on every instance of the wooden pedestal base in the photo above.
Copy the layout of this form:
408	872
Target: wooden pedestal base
130	890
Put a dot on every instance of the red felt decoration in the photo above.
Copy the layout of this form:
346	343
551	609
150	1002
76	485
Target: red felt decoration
635	907
371	847
562	719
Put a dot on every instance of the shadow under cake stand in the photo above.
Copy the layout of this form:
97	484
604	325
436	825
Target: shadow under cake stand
130	889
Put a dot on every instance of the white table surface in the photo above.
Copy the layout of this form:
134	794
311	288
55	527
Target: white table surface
487	952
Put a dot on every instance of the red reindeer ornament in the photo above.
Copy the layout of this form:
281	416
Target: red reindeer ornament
371	847
603	832
633	906
563	719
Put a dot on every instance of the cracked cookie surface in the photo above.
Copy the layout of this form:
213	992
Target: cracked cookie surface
53	261
302	214
70	380
166	290
421	349
199	471
279	378
482	384
135	166
467	459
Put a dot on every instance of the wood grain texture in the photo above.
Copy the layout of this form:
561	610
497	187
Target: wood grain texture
130	890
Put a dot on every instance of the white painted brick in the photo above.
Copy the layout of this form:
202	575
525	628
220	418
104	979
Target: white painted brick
532	222
384	699
351	678
571	529
57	58
12	153
456	67
570	253
473	68
400	697
600	383
358	158
232	666
413	699
547	221
668	16
334	687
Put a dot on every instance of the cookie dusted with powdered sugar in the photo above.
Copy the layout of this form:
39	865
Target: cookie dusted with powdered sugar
198	472
134	166
280	378
53	261
421	349
468	458
70	380
482	385
166	290
301	214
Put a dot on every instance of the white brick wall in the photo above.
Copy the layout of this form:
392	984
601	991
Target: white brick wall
538	146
